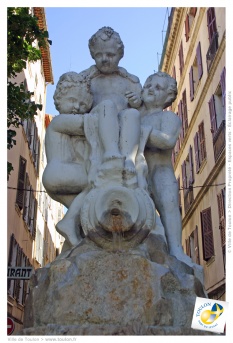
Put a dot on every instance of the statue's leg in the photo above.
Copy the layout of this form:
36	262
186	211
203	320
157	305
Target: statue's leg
108	129
130	130
165	194
69	226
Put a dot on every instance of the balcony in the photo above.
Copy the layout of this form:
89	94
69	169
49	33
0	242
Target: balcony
219	140
212	50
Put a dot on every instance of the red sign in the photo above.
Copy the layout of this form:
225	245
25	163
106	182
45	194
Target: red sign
10	326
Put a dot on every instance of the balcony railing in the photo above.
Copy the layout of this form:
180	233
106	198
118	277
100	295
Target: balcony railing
212	50
219	140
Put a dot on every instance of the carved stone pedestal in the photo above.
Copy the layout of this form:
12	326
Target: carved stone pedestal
94	292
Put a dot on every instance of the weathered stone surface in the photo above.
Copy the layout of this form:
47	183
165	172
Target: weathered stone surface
92	291
112	330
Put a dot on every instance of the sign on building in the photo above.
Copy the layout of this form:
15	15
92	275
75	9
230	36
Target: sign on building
22	273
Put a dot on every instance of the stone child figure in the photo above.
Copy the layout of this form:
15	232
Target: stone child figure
65	175
120	95
159	91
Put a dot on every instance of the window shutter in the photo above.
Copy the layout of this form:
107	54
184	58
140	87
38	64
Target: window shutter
10	262
223	87
174	72
17	282
32	137
184	175
211	22
191	84
201	133
191	180
187	245
34	219
35	142
37	165
186	24
196	246
21	182
180	114
26	199
193	11
178	183
221	213
196	148
185	112
207	234
199	61
32	204
173	158
10	257
212	112
181	58
29	132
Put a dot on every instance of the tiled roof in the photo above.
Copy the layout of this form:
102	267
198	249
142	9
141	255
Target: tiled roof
45	52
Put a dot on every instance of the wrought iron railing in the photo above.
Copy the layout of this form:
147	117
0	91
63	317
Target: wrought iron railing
219	140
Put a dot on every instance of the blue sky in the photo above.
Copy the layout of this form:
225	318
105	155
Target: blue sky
142	30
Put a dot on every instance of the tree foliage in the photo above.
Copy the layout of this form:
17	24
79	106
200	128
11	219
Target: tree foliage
23	31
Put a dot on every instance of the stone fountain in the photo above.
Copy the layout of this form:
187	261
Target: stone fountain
122	270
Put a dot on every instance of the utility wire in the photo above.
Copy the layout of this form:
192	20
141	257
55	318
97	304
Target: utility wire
180	189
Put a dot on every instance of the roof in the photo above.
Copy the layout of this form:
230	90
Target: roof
39	12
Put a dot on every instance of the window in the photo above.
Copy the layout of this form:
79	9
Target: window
199	61
207	234
211	23
174	72
217	117
187	27
181	58
18	289
188	179
183	115
191	82
192	247
39	247
180	205
223	88
180	115
189	20
185	111
195	72
222	222
30	208
31	131
21	182
213	37
201	133
199	146
193	11
176	149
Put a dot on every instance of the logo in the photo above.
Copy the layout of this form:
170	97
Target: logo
209	315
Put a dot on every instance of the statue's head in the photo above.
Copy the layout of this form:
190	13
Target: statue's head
159	89
73	94
106	48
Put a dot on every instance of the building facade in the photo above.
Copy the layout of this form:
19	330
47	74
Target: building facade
195	55
31	214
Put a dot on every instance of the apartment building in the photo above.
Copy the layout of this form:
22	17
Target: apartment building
194	54
31	213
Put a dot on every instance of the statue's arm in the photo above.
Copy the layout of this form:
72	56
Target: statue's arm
166	137
70	124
